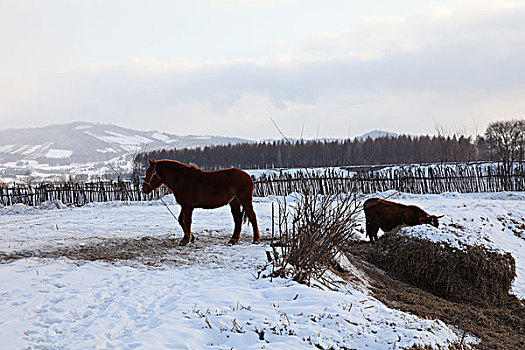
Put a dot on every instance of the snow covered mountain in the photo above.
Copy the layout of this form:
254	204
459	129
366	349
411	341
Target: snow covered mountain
85	149
82	142
374	134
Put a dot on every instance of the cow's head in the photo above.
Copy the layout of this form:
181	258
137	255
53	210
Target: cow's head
430	220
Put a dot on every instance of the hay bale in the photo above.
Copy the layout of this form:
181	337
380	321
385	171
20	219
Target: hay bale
472	273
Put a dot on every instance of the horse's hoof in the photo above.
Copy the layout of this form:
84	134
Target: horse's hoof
256	242
183	243
233	241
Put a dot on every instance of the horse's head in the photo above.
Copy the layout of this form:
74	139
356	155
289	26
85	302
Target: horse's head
152	181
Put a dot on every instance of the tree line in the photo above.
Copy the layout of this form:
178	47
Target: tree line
503	141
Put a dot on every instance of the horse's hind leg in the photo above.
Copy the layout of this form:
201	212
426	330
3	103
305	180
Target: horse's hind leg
247	206
253	220
237	219
186	225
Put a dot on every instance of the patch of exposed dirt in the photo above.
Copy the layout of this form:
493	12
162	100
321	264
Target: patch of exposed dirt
208	250
499	326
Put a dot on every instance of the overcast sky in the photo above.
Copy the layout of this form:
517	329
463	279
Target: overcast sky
323	68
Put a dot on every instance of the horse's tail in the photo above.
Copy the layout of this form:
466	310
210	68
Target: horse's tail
244	216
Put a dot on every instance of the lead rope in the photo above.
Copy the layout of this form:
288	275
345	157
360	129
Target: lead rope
162	200
193	238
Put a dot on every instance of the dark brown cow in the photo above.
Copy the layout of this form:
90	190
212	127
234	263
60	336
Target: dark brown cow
390	217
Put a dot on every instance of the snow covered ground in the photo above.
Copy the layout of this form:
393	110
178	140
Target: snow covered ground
215	300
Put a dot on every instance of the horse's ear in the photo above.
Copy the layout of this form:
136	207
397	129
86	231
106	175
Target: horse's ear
151	161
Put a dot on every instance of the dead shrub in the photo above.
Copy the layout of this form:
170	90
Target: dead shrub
313	231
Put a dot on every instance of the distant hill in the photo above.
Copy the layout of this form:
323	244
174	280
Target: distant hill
374	134
85	149
83	142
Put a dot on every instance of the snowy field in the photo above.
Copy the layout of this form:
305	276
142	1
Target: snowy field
208	296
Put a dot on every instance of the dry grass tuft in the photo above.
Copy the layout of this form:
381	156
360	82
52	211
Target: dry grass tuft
474	274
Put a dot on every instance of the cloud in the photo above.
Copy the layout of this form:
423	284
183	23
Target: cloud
396	72
374	37
251	3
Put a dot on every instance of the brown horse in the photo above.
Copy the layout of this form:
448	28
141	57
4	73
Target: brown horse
194	188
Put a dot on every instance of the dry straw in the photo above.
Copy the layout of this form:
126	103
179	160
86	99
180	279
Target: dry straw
473	273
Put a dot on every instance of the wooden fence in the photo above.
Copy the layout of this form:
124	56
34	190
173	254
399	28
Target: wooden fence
422	180
76	193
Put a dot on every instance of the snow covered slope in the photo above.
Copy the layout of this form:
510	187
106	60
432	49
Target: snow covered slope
88	142
40	149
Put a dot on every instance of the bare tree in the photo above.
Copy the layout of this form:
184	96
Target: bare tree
467	141
138	167
507	139
443	136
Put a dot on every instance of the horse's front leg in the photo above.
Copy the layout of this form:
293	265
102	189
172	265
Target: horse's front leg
186	214
181	220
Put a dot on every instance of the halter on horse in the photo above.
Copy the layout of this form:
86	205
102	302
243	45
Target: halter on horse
153	173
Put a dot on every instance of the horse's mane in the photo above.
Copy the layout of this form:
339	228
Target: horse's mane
181	165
